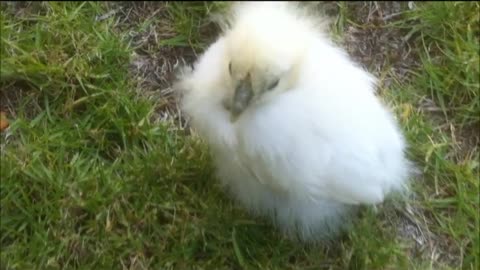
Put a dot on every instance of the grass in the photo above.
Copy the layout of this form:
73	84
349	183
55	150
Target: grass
90	180
187	19
448	33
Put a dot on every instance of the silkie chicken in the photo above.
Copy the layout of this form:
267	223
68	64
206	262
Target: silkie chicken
295	128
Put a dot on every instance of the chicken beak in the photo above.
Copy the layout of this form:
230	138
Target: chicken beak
241	98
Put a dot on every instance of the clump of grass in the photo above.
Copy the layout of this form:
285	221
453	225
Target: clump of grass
449	34
73	68
190	21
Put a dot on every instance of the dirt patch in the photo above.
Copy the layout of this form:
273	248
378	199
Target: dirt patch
153	66
380	48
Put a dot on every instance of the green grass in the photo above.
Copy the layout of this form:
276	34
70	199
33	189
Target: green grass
187	19
89	180
450	76
449	34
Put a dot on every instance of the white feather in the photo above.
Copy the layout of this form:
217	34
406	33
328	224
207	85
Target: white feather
308	152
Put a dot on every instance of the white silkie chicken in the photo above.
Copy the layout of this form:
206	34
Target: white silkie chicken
295	128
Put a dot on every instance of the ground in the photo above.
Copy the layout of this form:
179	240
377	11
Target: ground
100	170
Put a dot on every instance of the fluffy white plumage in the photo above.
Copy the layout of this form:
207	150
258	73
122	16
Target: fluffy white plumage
296	130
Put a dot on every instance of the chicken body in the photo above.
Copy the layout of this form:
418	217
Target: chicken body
310	150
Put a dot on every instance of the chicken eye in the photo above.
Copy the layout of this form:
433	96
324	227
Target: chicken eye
273	85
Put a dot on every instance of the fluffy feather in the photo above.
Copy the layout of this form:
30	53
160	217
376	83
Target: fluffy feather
295	128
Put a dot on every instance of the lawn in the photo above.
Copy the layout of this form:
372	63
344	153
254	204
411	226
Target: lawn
99	169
